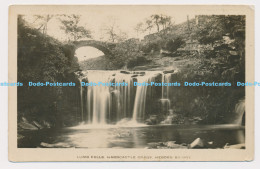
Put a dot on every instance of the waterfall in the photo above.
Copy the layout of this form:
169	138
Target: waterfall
81	100
166	78
123	94
89	105
98	99
239	110
111	104
140	96
165	101
140	99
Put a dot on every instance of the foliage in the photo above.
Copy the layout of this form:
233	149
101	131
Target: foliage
149	25
173	45
159	21
137	61
40	59
71	26
214	104
139	28
214	27
151	46
125	51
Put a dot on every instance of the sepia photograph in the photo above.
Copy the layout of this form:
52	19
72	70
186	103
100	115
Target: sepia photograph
132	79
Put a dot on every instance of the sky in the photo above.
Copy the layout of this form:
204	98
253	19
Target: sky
96	18
126	18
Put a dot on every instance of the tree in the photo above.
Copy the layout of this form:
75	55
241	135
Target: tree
110	30
139	28
41	22
165	21
156	19
149	25
45	59
70	24
114	33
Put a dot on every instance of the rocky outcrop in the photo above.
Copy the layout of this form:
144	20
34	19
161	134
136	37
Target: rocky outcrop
235	146
56	145
168	71
27	126
197	143
166	145
170	118
152	120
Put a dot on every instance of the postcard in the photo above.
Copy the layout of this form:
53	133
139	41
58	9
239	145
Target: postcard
131	83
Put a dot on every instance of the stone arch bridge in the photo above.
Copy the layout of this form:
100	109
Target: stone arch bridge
105	47
70	48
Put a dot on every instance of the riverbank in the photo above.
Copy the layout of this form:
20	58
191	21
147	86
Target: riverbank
151	137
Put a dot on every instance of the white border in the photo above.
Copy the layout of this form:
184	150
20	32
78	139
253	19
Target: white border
184	165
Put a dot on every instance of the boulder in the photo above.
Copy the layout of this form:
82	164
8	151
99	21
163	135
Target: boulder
171	118
27	126
153	145
166	145
134	75
148	122
170	143
235	146
233	53
19	137
46	124
56	145
197	143
153	119
24	120
146	67
124	72
210	142
37	125
168	71
173	145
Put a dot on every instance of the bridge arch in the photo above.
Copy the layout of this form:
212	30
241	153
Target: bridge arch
102	46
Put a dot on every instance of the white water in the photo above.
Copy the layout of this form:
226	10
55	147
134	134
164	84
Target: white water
104	103
166	78
98	102
81	101
127	105
123	94
140	96
239	110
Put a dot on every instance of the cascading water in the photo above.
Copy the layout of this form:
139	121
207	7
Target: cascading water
98	102
81	101
110	104
239	110
140	97
165	101
166	78
123	94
